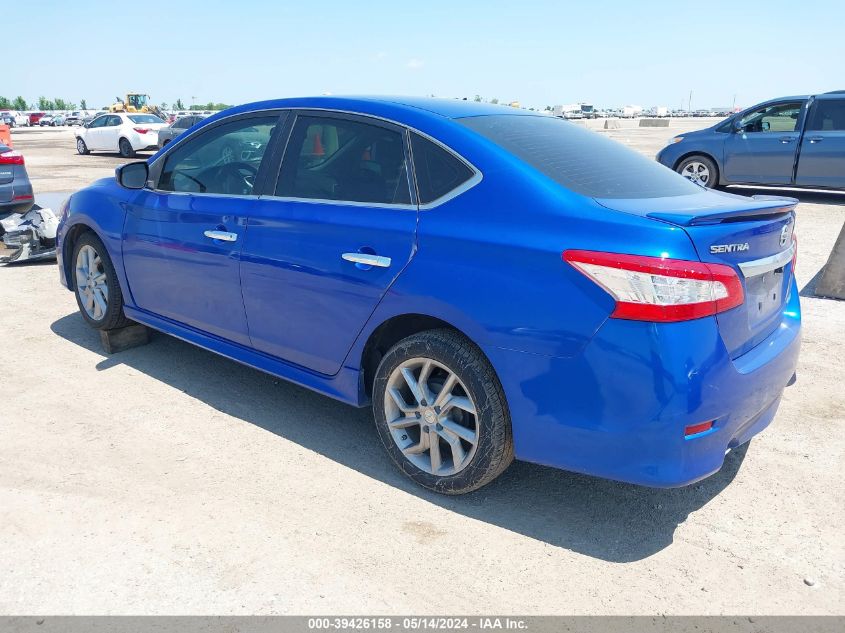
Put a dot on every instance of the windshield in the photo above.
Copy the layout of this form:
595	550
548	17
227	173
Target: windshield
578	159
144	118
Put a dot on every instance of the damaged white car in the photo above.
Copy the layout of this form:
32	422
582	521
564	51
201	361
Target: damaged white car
29	236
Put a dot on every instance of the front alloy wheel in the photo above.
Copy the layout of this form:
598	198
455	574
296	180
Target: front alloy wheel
91	284
95	282
700	170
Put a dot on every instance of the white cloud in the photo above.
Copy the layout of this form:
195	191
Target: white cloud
415	64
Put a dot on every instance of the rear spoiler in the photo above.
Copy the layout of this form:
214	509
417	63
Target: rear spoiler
763	212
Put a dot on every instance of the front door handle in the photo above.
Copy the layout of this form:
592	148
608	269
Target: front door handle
223	236
816	139
367	259
786	139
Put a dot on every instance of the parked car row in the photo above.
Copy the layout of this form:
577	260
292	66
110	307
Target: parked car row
13	118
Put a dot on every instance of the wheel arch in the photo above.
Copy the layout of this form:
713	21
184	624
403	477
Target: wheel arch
74	233
391	331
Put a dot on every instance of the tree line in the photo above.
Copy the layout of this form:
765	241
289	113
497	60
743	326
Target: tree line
43	103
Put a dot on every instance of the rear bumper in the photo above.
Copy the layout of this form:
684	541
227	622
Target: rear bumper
619	409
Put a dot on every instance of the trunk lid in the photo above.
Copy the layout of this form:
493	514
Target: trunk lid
751	235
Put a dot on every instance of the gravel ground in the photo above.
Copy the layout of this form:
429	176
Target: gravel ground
166	479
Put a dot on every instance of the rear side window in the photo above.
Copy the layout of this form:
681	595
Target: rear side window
828	115
144	118
580	160
438	171
330	158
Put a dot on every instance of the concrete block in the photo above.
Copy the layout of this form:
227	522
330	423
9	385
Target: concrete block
611	124
832	281
654	122
124	338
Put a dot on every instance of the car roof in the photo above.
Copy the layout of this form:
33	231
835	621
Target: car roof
394	106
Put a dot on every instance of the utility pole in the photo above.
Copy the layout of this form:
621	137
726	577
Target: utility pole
733	105
689	106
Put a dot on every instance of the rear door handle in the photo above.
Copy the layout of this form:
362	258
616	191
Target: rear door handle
367	259
223	236
816	139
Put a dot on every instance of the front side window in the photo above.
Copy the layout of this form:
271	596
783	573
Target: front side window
828	116
340	159
223	160
438	171
99	121
780	117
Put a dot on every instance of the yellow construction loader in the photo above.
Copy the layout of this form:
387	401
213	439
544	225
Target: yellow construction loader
135	102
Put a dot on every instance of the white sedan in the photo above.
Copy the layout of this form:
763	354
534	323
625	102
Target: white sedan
122	132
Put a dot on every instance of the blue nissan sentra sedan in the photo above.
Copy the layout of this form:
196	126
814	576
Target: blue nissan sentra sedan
495	283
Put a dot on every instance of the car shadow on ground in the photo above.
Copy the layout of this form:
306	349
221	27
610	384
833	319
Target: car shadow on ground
604	519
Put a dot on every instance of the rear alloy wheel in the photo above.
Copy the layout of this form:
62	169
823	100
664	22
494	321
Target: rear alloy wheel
126	148
81	147
95	281
441	413
700	170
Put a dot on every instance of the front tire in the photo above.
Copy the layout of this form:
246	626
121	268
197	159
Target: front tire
699	169
81	147
125	148
441	413
96	287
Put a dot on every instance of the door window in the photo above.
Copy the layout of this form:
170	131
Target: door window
223	160
113	121
777	118
341	159
99	121
828	115
438	171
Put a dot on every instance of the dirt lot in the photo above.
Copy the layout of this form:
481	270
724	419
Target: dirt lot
166	479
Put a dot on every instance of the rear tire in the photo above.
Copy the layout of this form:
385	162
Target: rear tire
81	147
125	148
700	170
456	402
96	288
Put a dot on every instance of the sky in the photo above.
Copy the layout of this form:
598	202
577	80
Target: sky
606	52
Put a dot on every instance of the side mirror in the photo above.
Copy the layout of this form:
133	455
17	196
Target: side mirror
737	125
132	175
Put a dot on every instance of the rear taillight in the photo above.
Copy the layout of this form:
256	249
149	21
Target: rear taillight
660	289
11	158
141	130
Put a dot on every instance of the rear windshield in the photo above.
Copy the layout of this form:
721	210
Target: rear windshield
580	160
4	148
144	118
